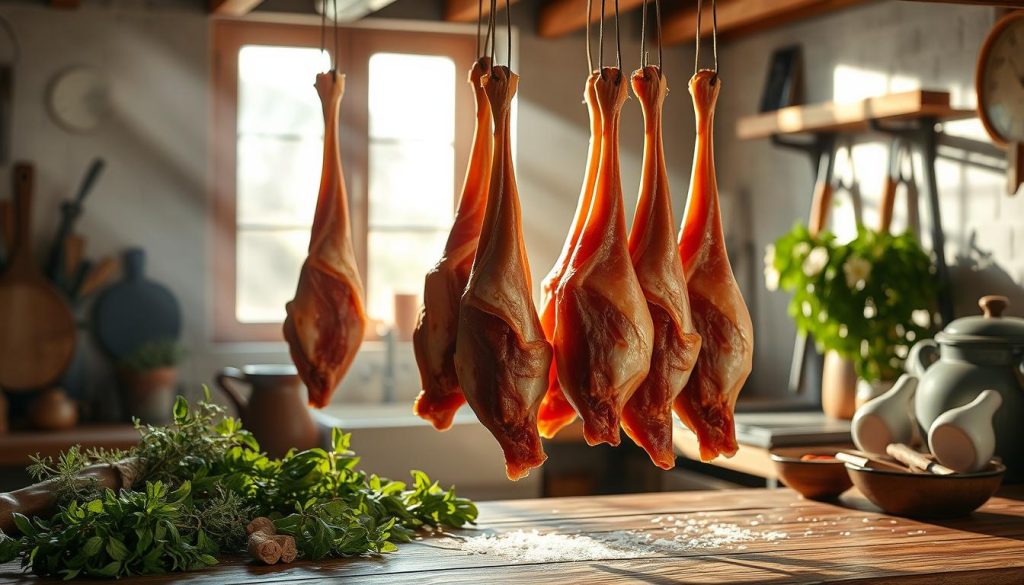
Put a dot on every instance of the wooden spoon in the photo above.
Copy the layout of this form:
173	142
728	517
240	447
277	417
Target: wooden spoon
37	329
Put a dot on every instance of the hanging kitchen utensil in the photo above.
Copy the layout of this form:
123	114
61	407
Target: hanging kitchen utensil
37	329
70	211
97	277
135	311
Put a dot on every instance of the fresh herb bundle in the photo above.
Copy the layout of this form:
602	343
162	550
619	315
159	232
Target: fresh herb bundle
202	478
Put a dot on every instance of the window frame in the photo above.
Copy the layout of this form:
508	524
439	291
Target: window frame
355	47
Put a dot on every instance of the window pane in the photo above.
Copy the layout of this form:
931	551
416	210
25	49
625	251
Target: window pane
412	184
278	180
412	97
268	268
275	90
398	261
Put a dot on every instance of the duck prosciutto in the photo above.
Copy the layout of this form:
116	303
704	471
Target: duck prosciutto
555	411
501	356
434	338
707	401
647	416
603	330
326	319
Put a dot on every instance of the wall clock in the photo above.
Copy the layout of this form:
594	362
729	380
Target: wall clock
999	82
79	99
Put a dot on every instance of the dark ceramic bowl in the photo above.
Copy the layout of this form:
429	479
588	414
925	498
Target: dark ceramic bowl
925	495
815	479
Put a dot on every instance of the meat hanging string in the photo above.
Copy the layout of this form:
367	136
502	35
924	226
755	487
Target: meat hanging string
326	319
434	338
501	356
555	411
647	416
603	329
714	35
720	314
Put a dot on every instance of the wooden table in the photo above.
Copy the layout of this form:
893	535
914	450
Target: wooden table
822	543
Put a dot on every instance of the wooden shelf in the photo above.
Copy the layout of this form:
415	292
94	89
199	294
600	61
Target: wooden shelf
16	447
852	116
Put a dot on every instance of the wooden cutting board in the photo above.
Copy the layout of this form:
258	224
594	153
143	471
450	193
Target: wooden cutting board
37	328
135	311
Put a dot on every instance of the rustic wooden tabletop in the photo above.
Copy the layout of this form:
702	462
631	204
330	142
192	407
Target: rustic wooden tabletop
743	536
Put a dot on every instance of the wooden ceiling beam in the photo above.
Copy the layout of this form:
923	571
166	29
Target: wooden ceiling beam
233	7
561	17
737	17
469	10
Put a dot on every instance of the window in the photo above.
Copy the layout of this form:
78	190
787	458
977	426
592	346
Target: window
406	125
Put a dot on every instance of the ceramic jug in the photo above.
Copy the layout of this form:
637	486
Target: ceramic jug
276	412
971	355
963	439
886	419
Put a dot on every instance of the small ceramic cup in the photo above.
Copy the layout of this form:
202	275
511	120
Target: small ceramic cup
963	438
886	419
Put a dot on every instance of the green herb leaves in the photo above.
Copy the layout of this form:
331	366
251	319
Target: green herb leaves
130	533
202	479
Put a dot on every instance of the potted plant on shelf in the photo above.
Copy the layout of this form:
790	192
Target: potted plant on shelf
149	378
867	301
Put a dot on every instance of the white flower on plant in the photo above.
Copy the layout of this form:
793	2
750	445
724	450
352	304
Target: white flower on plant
856	270
816	261
769	256
921	317
771	278
771	273
801	249
870	311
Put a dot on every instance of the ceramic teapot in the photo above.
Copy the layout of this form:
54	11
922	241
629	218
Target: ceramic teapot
276	412
969	356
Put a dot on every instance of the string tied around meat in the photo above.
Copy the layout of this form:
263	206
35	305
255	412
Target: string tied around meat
644	57
714	38
600	41
492	28
323	31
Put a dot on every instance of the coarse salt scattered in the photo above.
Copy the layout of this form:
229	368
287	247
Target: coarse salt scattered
536	547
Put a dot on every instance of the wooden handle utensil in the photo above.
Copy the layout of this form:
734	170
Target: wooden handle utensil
916	460
861	459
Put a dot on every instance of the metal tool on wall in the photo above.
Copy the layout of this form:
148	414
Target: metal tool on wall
900	156
67	246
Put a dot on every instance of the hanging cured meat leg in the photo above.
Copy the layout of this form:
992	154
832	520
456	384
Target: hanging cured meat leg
501	356
706	403
555	411
434	338
647	417
326	319
603	330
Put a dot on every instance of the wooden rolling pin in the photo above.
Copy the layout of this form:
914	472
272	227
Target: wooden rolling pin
916	460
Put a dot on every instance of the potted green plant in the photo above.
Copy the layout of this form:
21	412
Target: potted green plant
149	378
868	300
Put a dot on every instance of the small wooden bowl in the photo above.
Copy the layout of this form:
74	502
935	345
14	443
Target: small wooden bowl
815	479
925	495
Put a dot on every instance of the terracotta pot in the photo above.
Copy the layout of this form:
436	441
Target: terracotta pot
52	410
838	387
149	395
276	412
